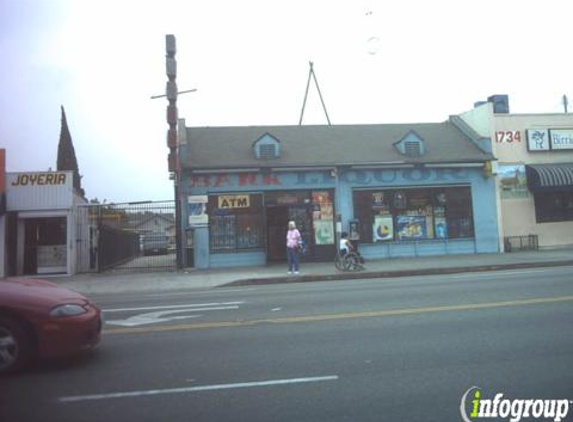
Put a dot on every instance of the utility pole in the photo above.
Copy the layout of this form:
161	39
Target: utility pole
565	103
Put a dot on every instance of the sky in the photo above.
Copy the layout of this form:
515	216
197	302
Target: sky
398	61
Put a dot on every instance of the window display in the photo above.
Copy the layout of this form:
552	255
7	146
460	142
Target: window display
414	214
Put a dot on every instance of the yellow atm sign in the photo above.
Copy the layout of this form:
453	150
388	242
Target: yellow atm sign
234	201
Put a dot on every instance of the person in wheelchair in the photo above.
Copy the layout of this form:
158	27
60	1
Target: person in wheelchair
345	244
346	247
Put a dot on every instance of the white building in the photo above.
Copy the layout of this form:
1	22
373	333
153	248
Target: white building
41	223
534	173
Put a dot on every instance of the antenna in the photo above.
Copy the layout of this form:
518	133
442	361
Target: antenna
313	75
565	103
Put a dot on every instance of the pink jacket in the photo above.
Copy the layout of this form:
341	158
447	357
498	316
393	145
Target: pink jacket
292	238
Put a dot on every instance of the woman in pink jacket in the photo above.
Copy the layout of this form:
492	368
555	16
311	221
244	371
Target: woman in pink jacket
293	243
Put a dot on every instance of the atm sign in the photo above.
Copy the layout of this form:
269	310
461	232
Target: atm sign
234	201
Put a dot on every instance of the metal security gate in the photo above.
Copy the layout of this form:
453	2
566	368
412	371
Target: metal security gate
128	237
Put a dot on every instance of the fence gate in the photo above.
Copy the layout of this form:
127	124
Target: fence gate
135	236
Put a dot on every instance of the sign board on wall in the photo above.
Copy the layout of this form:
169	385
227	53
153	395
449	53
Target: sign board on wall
538	140
39	190
549	140
561	139
197	210
233	201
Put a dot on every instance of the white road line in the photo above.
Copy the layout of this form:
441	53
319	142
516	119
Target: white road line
268	383
151	308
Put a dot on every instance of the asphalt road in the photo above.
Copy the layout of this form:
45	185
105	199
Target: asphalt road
361	350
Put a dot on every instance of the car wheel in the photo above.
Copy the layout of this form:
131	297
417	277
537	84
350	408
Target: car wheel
15	345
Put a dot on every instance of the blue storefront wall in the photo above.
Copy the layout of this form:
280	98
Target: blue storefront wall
345	181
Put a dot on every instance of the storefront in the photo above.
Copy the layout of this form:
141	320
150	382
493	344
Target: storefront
534	175
40	228
400	190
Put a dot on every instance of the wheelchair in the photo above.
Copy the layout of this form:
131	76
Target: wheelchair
350	261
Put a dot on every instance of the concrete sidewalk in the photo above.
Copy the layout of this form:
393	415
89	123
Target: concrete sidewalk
118	282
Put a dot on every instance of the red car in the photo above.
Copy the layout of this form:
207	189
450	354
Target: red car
41	319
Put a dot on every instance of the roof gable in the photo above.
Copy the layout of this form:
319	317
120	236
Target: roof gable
267	147
411	145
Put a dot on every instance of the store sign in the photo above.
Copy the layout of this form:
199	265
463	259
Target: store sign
39	179
234	201
561	139
550	140
39	190
538	140
302	179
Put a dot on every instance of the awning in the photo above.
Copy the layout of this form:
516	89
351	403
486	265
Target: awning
549	177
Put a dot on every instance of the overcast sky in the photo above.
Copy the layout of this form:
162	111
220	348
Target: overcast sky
376	61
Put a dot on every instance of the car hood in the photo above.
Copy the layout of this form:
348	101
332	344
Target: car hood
36	294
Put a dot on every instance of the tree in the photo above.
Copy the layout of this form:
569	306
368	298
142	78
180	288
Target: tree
67	155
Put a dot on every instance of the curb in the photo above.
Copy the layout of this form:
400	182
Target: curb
395	273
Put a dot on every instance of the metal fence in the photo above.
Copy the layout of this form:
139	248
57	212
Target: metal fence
521	243
135	236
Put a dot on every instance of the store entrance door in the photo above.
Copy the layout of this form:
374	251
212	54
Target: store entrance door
277	226
277	221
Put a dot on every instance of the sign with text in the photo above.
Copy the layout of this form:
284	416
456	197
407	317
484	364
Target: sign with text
233	201
561	139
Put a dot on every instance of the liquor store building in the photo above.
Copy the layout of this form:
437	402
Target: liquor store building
399	190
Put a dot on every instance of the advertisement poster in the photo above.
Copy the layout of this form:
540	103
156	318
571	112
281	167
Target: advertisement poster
197	210
411	227
383	228
441	228
324	232
513	181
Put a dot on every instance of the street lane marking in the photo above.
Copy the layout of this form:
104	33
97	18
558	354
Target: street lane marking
165	314
193	305
341	316
70	399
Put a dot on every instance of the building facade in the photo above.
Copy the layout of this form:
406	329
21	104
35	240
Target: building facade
399	190
40	223
534	174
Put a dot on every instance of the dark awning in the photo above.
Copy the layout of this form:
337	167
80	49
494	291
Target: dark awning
550	177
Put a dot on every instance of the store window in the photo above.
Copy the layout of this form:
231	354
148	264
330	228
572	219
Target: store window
553	207
236	222
414	214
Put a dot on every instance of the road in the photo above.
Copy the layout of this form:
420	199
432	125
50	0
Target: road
361	350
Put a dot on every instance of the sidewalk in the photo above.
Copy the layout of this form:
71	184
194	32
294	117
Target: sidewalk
118	282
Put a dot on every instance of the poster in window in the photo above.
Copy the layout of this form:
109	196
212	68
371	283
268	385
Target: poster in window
197	210
441	228
324	232
513	183
400	200
382	229
320	198
411	227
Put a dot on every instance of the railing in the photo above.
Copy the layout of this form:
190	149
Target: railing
521	243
